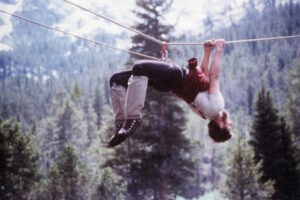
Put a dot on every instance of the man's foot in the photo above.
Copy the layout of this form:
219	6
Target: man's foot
118	125
129	126
116	139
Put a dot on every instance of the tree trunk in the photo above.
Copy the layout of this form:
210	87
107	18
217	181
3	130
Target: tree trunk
163	189
161	124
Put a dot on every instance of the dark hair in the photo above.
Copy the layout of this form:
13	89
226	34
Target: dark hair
217	133
192	63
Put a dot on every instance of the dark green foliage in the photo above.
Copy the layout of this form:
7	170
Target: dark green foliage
18	163
112	187
243	176
294	96
294	104
68	176
156	162
160	154
65	125
152	16
273	146
243	64
67	179
42	64
98	103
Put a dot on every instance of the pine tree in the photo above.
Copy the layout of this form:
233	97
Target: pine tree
94	154
111	187
90	118
98	103
294	104
64	125
156	161
150	13
18	163
242	181
72	177
294	98
67	179
273	146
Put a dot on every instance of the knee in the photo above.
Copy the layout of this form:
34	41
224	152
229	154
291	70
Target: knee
138	69
113	79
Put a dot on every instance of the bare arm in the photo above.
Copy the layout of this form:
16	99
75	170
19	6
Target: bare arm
215	68
208	47
196	111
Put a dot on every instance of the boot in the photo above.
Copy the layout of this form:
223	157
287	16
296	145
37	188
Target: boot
135	98
118	97
124	131
129	126
117	139
118	125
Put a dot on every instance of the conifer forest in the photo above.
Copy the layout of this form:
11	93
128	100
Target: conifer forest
56	116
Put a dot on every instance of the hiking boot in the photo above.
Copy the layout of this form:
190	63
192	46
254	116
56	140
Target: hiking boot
115	140
118	125
130	126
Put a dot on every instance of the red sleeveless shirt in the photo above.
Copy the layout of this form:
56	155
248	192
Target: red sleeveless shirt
193	83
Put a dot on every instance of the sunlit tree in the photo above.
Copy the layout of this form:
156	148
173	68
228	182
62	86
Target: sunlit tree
273	146
242	178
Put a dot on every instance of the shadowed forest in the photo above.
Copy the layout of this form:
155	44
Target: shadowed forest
56	116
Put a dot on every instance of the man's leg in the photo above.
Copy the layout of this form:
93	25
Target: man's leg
118	89
118	96
135	98
142	71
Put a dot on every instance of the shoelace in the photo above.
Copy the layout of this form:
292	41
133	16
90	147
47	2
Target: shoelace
132	125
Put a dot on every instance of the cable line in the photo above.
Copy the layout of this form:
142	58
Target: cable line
178	43
79	37
164	44
238	41
117	23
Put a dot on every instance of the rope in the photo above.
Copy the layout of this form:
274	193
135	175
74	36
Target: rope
263	39
117	23
142	34
178	43
78	37
238	41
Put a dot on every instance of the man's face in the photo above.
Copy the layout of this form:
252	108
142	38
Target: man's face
226	121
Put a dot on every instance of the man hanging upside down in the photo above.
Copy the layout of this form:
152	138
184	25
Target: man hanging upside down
198	86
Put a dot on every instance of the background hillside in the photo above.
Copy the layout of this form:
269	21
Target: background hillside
56	88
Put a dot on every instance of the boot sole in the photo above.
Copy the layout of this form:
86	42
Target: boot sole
117	139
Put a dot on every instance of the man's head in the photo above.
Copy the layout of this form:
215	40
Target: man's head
220	128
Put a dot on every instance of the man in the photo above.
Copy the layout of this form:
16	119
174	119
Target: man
198	86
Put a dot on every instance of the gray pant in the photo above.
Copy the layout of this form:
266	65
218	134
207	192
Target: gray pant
128	104
118	97
135	97
162	76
